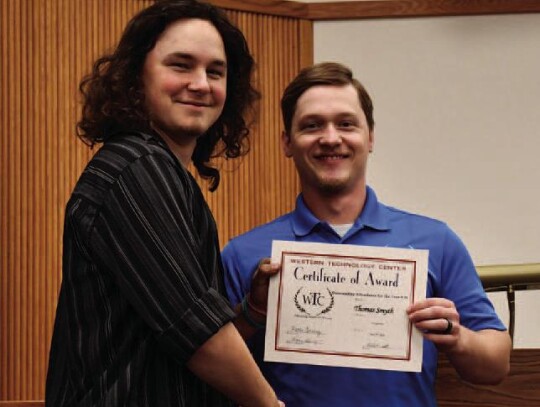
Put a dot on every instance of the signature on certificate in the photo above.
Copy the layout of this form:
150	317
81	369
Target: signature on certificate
299	341
376	345
303	330
304	335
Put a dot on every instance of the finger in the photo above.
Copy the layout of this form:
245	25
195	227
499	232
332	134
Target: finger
260	280
433	312
430	302
267	268
441	326
270	269
449	327
442	340
435	323
263	261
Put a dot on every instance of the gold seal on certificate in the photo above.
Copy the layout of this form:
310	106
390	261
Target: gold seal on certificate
344	305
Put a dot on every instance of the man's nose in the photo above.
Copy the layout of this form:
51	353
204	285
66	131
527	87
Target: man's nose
330	136
199	81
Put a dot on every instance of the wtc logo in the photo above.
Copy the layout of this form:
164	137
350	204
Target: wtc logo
312	302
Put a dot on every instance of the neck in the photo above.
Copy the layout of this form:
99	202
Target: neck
336	208
181	147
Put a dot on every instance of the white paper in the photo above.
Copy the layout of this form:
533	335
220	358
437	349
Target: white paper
344	305
527	322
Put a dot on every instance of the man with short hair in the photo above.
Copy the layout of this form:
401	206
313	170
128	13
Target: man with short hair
329	133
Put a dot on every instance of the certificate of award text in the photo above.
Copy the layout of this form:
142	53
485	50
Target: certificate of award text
344	305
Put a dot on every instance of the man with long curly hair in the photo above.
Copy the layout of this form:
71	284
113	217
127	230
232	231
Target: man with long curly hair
142	317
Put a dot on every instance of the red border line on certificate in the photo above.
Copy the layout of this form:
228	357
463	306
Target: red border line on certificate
412	293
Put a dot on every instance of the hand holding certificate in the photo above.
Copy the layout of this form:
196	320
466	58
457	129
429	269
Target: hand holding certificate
344	305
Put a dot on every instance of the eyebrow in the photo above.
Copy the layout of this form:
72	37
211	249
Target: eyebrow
318	116
340	115
189	57
311	116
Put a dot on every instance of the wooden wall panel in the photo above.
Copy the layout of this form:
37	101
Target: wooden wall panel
520	388
46	46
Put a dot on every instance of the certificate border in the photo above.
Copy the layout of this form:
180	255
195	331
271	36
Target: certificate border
278	348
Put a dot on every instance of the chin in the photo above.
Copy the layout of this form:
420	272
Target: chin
195	130
195	126
332	186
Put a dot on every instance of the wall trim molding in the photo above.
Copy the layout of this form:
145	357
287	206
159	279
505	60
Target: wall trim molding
417	8
363	9
283	8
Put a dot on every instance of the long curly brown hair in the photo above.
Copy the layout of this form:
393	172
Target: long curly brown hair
113	96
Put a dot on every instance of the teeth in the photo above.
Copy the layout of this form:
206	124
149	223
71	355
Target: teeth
331	157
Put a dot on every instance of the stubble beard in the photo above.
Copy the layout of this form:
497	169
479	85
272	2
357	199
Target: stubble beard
329	186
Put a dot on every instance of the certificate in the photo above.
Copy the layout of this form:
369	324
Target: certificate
344	305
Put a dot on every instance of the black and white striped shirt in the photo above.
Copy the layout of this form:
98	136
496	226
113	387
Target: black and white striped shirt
142	284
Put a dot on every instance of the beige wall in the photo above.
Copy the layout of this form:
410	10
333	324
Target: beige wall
457	123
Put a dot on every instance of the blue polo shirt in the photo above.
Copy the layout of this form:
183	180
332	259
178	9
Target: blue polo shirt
451	274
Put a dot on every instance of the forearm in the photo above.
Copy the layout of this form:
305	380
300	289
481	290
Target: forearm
224	362
481	357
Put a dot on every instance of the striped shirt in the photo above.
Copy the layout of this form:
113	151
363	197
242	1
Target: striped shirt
142	284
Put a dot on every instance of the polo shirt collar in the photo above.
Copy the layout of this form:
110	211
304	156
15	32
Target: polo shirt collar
374	216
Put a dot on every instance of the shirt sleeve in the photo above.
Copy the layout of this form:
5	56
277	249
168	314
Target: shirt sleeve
144	235
463	286
233	275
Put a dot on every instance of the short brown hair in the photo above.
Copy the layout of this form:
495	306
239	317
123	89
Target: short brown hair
324	73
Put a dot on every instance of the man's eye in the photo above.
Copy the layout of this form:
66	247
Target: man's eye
310	126
216	73
347	124
180	66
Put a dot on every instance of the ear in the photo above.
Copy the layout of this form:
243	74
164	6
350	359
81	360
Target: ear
286	144
371	140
